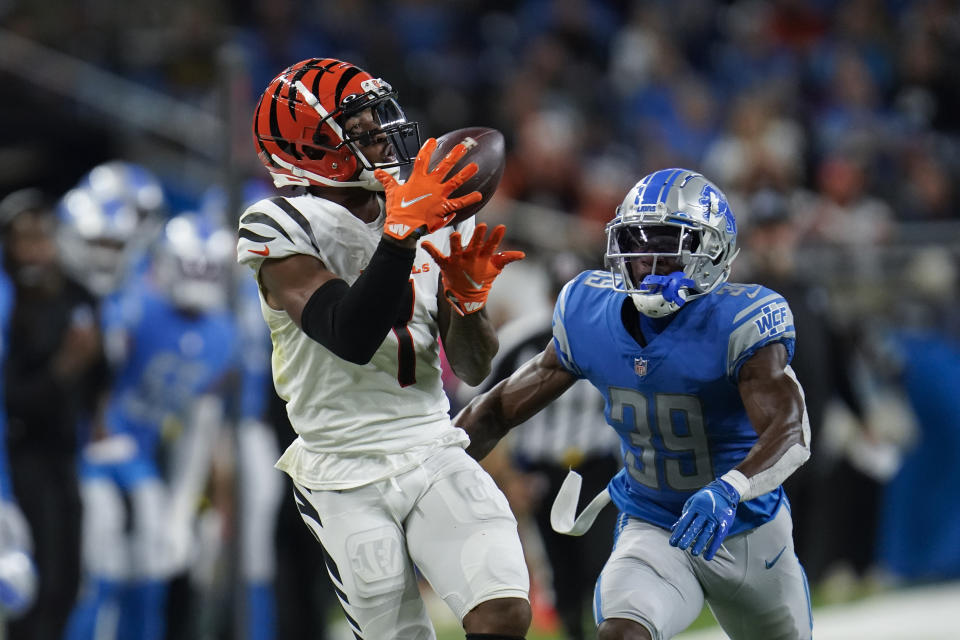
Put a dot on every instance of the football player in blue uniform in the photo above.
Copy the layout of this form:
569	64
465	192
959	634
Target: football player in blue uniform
696	378
178	345
106	224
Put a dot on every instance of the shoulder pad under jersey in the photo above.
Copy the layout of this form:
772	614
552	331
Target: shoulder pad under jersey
569	296
755	316
273	228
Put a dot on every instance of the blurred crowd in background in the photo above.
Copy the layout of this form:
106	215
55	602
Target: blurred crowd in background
833	126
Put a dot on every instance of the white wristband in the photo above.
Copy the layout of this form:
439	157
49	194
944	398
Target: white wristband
738	481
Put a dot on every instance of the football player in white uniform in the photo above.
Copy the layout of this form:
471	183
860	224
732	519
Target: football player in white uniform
356	302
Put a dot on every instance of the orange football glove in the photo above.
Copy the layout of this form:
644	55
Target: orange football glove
469	272
421	202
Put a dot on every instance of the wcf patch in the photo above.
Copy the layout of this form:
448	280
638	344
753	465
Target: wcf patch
773	319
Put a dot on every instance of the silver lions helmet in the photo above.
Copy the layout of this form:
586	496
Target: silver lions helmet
107	221
194	262
672	240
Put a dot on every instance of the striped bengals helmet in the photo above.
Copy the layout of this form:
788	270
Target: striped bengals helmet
298	125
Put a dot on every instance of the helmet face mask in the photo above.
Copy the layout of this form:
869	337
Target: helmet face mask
672	240
389	124
307	126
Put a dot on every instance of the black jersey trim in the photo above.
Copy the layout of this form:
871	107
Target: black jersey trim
297	217
256	217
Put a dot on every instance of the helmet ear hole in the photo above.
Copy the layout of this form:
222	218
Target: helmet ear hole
314	153
322	139
713	247
287	147
322	145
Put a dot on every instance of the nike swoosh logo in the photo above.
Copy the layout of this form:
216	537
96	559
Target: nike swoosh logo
407	203
265	252
473	283
770	563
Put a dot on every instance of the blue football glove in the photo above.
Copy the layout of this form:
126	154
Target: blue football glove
706	519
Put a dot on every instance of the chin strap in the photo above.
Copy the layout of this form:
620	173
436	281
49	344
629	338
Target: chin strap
563	513
304	178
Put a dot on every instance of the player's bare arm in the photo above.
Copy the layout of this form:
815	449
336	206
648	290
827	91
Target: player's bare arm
467	275
775	405
470	342
513	401
287	283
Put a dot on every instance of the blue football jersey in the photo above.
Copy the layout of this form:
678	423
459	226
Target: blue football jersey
171	358
6	311
674	403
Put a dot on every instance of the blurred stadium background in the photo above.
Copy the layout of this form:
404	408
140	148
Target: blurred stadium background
832	125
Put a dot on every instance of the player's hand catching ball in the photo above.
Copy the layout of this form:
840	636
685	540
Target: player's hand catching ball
420	205
468	272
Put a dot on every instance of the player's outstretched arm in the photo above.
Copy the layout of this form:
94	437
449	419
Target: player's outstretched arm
467	274
469	343
774	402
513	401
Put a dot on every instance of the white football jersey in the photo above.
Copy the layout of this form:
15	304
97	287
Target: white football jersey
356	423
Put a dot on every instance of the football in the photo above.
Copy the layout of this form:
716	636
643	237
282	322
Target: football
485	147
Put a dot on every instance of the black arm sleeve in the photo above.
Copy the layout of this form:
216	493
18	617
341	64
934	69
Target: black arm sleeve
352	321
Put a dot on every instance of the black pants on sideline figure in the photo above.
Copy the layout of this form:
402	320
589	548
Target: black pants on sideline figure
46	488
576	561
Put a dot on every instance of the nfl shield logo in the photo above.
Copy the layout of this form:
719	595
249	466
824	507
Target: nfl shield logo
640	366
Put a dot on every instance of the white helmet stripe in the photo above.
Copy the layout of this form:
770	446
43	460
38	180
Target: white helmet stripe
313	102
282	180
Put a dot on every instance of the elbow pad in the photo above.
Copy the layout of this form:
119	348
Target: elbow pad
771	477
352	321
